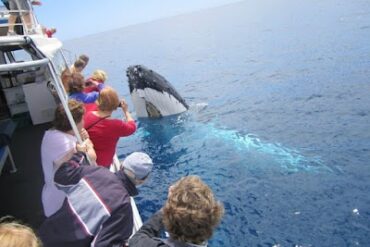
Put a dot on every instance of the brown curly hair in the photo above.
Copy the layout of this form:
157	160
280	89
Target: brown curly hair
191	212
61	121
77	83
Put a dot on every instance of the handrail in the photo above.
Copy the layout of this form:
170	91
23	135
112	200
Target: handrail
135	212
34	25
64	101
23	65
136	216
62	96
14	40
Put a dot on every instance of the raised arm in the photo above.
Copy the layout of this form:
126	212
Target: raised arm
125	110
91	97
71	171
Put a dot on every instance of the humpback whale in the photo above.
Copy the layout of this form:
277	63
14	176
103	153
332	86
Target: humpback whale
152	95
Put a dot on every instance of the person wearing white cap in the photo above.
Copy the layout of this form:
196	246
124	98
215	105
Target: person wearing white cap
97	210
137	166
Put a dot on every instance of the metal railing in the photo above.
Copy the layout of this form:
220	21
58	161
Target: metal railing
33	27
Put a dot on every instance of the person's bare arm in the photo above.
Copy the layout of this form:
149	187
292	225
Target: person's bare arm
125	110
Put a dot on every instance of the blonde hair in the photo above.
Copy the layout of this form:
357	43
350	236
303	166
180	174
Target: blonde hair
108	99
191	212
14	234
99	75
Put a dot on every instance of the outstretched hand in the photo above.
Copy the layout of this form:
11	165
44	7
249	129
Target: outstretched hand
85	146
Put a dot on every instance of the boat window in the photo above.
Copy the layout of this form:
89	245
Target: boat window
21	56
59	62
8	58
2	58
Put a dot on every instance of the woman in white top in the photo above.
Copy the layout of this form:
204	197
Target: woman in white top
56	144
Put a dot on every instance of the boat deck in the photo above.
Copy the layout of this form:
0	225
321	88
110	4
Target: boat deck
20	192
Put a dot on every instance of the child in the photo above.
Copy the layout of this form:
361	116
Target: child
98	76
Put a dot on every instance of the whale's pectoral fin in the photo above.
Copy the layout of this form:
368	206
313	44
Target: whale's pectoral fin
152	111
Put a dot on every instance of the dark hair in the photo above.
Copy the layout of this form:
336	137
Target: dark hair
61	121
191	212
79	63
77	82
84	58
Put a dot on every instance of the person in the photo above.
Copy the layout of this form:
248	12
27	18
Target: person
20	8
84	58
49	32
97	211
76	87
56	143
190	215
78	66
36	2
66	77
105	131
82	62
14	234
99	76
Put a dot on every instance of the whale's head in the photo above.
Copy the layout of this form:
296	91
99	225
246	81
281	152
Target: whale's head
152	95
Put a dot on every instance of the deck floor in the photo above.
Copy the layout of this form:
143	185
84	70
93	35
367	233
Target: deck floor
20	192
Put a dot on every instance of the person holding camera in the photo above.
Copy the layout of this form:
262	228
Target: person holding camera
105	131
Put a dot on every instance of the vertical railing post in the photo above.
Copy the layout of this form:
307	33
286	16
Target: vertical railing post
64	101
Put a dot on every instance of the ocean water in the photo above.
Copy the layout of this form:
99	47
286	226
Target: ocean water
279	118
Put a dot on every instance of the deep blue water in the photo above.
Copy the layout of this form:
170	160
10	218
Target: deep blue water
279	126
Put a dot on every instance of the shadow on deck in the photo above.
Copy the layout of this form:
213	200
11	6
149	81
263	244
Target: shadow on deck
20	192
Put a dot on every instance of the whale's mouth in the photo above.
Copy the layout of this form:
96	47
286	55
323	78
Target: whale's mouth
152	111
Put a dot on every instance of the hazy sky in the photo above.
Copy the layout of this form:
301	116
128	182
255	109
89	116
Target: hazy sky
76	18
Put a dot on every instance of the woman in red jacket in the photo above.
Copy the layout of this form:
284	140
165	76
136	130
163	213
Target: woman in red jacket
105	131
